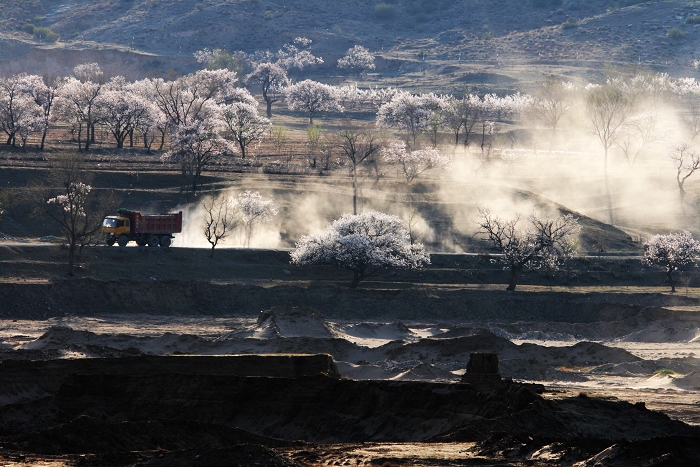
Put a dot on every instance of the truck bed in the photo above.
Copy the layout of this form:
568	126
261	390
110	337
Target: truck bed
158	223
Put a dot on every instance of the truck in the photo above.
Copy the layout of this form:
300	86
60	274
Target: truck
144	229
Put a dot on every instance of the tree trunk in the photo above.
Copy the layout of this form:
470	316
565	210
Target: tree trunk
514	273
268	102
354	190
669	274
87	139
607	187
356	279
71	258
43	138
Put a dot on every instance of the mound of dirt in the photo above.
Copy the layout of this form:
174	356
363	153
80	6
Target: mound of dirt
370	332
426	372
431	349
286	321
690	381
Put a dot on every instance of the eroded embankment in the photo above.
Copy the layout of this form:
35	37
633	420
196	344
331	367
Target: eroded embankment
113	410
88	297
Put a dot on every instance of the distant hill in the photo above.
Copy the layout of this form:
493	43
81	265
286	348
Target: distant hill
434	37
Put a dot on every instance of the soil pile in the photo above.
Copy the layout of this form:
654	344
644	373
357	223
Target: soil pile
112	413
284	321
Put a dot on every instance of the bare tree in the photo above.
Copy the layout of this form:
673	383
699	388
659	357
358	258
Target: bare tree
221	217
636	134
544	242
686	160
552	102
359	145
608	108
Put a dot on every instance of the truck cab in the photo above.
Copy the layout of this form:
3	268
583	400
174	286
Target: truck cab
114	226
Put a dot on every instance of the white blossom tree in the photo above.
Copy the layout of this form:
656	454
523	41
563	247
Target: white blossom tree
312	97
357	59
544	242
76	105
121	109
272	78
408	113
192	97
244	124
45	91
297	54
362	243
457	114
671	251
195	147
254	210
414	163
20	114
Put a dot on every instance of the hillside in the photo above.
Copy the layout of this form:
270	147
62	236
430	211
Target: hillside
435	37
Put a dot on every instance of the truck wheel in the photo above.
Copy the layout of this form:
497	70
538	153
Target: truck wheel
123	240
110	241
165	241
141	242
153	240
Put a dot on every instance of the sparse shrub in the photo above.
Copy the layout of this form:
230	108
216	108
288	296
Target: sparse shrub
384	11
570	23
675	34
269	14
29	28
199	6
665	372
693	20
45	34
634	2
38	18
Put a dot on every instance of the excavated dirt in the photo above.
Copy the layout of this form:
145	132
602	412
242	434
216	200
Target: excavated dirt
97	371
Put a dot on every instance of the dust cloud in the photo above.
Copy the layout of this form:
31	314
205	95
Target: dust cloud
524	167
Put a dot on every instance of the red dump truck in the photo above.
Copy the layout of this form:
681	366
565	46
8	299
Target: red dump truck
144	229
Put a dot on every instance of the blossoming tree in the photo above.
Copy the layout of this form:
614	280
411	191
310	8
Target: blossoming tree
362	243
671	251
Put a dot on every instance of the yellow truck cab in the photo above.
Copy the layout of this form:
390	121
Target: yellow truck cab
114	226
